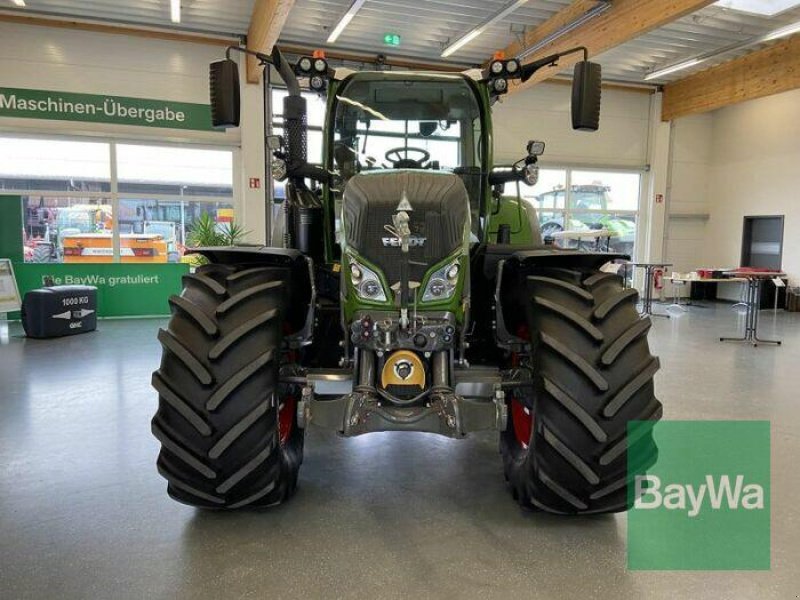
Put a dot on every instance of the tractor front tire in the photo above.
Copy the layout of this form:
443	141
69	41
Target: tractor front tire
229	434
566	445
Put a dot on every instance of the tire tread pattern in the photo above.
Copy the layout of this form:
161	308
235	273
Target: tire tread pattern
217	419
593	374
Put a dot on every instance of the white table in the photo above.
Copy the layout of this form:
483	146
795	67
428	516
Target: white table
752	301
581	235
649	277
691	280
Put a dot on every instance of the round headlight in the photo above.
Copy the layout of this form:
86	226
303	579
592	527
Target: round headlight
438	288
496	67
452	272
512	66
320	66
279	171
531	174
317	83
500	85
370	289
305	64
355	272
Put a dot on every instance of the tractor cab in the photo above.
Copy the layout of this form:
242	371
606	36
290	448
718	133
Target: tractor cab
384	124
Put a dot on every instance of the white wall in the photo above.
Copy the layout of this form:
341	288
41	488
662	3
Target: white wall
755	170
739	161
542	112
688	202
69	60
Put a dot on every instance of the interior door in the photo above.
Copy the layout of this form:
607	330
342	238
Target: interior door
762	242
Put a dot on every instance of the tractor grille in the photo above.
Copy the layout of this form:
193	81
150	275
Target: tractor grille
440	212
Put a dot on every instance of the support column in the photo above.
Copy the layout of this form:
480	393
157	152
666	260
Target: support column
252	207
657	189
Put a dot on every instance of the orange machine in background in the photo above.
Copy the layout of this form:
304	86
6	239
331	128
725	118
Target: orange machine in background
98	248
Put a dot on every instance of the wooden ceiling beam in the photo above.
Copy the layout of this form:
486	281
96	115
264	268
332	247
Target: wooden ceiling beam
769	71
266	24
624	21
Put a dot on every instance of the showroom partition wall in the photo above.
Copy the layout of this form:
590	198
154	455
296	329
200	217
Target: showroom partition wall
110	190
112	214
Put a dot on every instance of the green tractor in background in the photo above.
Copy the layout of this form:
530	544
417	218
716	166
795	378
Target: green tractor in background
405	294
585	202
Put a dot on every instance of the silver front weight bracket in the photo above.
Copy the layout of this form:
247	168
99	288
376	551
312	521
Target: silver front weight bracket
304	407
502	408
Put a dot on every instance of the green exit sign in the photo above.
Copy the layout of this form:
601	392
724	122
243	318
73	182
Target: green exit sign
391	39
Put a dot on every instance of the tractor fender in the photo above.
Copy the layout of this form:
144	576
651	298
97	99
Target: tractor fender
237	255
300	274
510	279
572	259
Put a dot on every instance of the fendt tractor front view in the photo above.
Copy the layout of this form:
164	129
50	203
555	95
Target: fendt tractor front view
404	292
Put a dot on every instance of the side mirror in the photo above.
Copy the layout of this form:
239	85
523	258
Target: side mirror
428	128
586	93
223	83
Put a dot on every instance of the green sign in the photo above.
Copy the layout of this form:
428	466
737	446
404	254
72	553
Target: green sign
93	108
123	290
705	505
391	39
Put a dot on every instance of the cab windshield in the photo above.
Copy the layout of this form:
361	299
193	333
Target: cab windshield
388	121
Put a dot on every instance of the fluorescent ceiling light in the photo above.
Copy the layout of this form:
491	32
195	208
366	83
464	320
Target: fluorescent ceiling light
584	18
782	32
462	41
345	20
767	8
479	29
20	3
776	34
175	11
673	69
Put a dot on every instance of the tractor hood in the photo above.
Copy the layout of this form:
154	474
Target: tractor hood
439	211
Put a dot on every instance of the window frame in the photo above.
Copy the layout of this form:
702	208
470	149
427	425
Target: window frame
114	195
566	212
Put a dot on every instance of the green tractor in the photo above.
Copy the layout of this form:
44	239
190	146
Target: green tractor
406	293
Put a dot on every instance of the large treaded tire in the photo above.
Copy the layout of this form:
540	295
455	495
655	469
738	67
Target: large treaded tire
218	410
593	373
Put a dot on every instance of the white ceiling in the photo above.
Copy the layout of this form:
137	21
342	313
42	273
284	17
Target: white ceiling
425	26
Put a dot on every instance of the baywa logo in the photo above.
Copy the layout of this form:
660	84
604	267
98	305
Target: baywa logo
715	494
705	504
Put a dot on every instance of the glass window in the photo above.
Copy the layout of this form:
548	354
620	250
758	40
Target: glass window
608	201
600	190
171	219
70	230
549	193
177	185
54	165
375	115
171	170
581	200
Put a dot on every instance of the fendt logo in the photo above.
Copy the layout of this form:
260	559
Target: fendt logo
413	242
707	496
